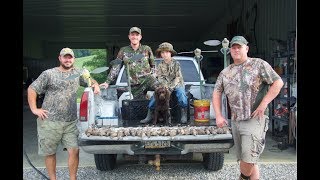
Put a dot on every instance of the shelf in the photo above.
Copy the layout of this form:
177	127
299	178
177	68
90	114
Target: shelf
286	75
286	120
279	55
291	99
291	53
282	54
282	98
283	62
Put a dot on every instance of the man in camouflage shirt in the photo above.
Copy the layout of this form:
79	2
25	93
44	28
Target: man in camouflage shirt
170	75
57	118
250	84
140	70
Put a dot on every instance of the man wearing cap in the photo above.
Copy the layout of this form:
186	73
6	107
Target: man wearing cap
169	74
57	117
250	84
140	71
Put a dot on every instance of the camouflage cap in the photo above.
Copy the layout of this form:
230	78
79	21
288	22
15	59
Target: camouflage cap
135	29
165	47
238	40
65	51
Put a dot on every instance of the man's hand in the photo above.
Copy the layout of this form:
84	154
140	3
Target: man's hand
104	85
259	111
41	113
221	121
96	89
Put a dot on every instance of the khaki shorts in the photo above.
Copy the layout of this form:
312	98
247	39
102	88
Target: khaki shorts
249	138
52	133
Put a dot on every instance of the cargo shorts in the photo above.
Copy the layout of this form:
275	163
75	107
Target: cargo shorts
249	138
52	133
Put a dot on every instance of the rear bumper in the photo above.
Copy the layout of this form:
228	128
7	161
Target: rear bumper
135	145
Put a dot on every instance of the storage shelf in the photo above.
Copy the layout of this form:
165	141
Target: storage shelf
284	59
280	119
291	99
282	54
291	53
281	98
286	75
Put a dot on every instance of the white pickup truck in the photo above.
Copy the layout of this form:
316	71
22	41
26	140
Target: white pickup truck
109	126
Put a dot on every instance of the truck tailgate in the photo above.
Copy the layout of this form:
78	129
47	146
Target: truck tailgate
156	144
83	136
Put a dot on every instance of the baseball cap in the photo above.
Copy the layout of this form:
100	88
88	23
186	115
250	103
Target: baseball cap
65	51
238	40
135	29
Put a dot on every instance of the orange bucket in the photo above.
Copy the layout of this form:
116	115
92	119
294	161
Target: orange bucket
201	111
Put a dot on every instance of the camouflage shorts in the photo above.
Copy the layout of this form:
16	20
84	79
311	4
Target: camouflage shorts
52	133
249	138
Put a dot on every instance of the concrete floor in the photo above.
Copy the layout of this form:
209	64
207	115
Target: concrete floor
271	153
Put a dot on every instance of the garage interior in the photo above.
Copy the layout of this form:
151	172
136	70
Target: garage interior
48	26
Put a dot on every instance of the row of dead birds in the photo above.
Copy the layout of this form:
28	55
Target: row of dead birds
121	132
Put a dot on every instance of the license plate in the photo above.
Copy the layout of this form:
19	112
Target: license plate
156	144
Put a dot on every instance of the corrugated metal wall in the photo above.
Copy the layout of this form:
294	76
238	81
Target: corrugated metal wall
36	66
264	18
275	19
33	49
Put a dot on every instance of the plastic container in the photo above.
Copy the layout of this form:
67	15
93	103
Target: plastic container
201	110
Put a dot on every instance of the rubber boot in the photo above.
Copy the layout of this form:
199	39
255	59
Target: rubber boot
183	115
148	118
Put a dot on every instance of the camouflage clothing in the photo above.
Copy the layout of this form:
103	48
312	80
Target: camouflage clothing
138	69
245	85
170	74
60	94
141	78
139	90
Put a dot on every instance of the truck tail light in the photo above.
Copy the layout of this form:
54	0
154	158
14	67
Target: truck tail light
84	107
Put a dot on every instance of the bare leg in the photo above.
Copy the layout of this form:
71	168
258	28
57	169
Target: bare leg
73	162
255	173
50	161
246	168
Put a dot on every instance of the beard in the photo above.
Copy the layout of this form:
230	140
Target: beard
66	67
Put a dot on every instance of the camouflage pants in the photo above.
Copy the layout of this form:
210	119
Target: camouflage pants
148	84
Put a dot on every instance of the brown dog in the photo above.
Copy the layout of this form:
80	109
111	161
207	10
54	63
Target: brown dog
162	98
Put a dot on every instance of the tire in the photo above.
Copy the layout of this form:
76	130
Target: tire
213	161
105	162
